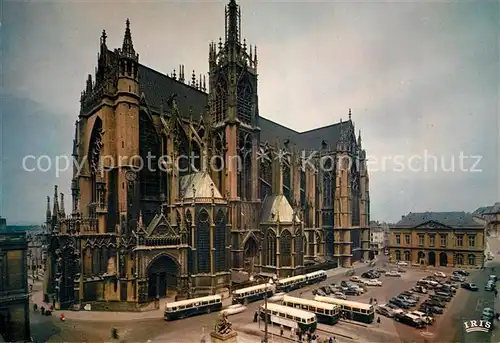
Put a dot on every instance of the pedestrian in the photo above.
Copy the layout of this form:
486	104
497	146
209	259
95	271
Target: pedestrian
292	333
378	321
42	309
330	340
300	335
35	307
281	330
255	317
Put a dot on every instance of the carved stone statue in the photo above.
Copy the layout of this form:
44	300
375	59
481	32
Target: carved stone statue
222	325
111	266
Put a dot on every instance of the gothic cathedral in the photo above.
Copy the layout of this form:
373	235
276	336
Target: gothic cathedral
185	185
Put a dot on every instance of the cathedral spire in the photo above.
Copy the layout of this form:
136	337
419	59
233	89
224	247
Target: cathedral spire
128	46
233	22
55	209
47	212
61	205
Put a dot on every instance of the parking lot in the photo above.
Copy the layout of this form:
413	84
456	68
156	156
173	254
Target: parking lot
390	330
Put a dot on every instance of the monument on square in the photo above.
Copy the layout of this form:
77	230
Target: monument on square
223	331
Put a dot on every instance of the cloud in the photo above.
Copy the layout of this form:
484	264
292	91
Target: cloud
419	76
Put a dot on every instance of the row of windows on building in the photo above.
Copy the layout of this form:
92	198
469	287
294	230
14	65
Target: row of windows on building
459	258
443	240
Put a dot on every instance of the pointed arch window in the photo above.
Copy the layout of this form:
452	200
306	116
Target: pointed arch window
299	248
329	243
245	101
220	241
285	249
203	241
245	145
271	247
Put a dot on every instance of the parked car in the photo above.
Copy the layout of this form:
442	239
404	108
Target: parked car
393	274
435	302
409	300
380	270
490	286
326	290
442	293
419	289
440	274
339	295
384	310
461	272
370	282
355	278
353	291
426	308
410	320
493	278
368	275
402	263
457	277
410	295
400	303
470	286
424	317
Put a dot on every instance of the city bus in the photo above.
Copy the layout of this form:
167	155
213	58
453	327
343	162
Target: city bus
325	313
291	283
253	293
315	277
289	317
192	307
352	310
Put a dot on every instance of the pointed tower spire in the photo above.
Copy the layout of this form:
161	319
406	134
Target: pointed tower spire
47	212
128	46
61	205
140	224
233	23
359	139
350	113
55	209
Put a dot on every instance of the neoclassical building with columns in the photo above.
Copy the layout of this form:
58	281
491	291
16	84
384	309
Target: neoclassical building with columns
438	239
136	233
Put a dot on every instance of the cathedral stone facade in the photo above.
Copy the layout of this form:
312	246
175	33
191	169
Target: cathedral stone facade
183	182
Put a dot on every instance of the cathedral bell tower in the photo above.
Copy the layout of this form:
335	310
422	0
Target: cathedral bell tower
127	132
233	108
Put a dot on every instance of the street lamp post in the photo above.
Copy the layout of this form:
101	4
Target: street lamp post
265	319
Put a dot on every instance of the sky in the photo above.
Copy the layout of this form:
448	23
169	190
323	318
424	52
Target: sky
421	78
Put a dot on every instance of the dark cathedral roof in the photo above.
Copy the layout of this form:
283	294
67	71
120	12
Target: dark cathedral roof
158	87
451	219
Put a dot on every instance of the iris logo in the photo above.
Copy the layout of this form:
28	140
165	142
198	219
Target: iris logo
477	326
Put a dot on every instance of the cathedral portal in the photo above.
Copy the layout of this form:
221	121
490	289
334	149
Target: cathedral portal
163	272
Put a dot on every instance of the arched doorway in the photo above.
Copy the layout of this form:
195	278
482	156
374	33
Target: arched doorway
250	254
421	257
443	259
432	258
162	276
